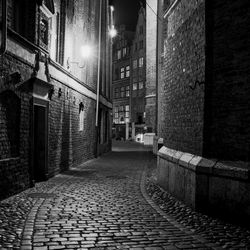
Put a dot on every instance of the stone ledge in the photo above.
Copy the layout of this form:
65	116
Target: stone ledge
202	165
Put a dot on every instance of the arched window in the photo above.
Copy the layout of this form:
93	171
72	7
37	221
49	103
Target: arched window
9	124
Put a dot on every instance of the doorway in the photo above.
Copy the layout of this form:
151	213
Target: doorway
40	142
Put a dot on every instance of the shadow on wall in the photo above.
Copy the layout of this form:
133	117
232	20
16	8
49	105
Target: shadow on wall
66	145
9	124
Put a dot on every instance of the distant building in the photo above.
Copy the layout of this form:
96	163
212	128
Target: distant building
49	106
121	83
151	66
138	78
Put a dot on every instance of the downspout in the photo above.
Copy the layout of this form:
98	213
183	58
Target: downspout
98	77
4	28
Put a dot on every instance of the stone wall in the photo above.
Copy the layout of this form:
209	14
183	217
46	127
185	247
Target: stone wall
181	100
212	186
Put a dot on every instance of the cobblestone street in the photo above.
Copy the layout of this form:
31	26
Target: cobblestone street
103	204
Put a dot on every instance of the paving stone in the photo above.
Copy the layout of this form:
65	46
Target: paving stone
96	212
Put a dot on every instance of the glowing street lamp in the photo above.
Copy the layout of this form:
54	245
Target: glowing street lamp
112	32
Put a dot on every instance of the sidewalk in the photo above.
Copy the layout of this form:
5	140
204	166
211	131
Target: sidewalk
101	204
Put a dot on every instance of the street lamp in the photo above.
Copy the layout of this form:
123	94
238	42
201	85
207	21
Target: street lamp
112	32
86	51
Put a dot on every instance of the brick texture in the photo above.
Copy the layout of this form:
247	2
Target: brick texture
67	145
14	147
181	109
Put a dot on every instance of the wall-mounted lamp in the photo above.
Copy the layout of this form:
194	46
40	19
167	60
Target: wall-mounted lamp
86	52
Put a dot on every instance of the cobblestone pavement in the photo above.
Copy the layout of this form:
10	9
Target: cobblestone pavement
102	204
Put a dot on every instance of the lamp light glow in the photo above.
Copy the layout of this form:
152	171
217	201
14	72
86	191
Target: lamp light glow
86	51
112	32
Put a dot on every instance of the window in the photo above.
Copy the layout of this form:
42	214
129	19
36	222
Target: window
141	44
119	54
135	64
127	90
116	120
81	116
124	51
135	46
116	73
127	113
134	86
127	73
61	19
15	17
141	62
121	114
116	92
122	73
122	91
140	85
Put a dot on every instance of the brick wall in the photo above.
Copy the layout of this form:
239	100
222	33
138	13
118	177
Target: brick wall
181	108
67	145
14	164
228	113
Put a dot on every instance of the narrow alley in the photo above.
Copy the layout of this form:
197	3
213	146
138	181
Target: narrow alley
101	204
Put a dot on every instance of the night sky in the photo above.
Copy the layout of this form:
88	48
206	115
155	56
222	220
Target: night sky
126	12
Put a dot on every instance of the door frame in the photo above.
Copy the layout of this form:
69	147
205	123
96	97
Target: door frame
45	104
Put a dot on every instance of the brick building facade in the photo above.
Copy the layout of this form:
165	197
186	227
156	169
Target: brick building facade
129	81
121	83
48	93
203	92
138	77
203	103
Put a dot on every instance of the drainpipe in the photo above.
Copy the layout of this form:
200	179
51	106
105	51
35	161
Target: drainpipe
98	77
4	27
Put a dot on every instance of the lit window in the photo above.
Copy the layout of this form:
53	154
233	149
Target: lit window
124	51
81	116
127	90
135	64
140	85
127	113
134	86
116	118
119	54
122	73
127	71
141	62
